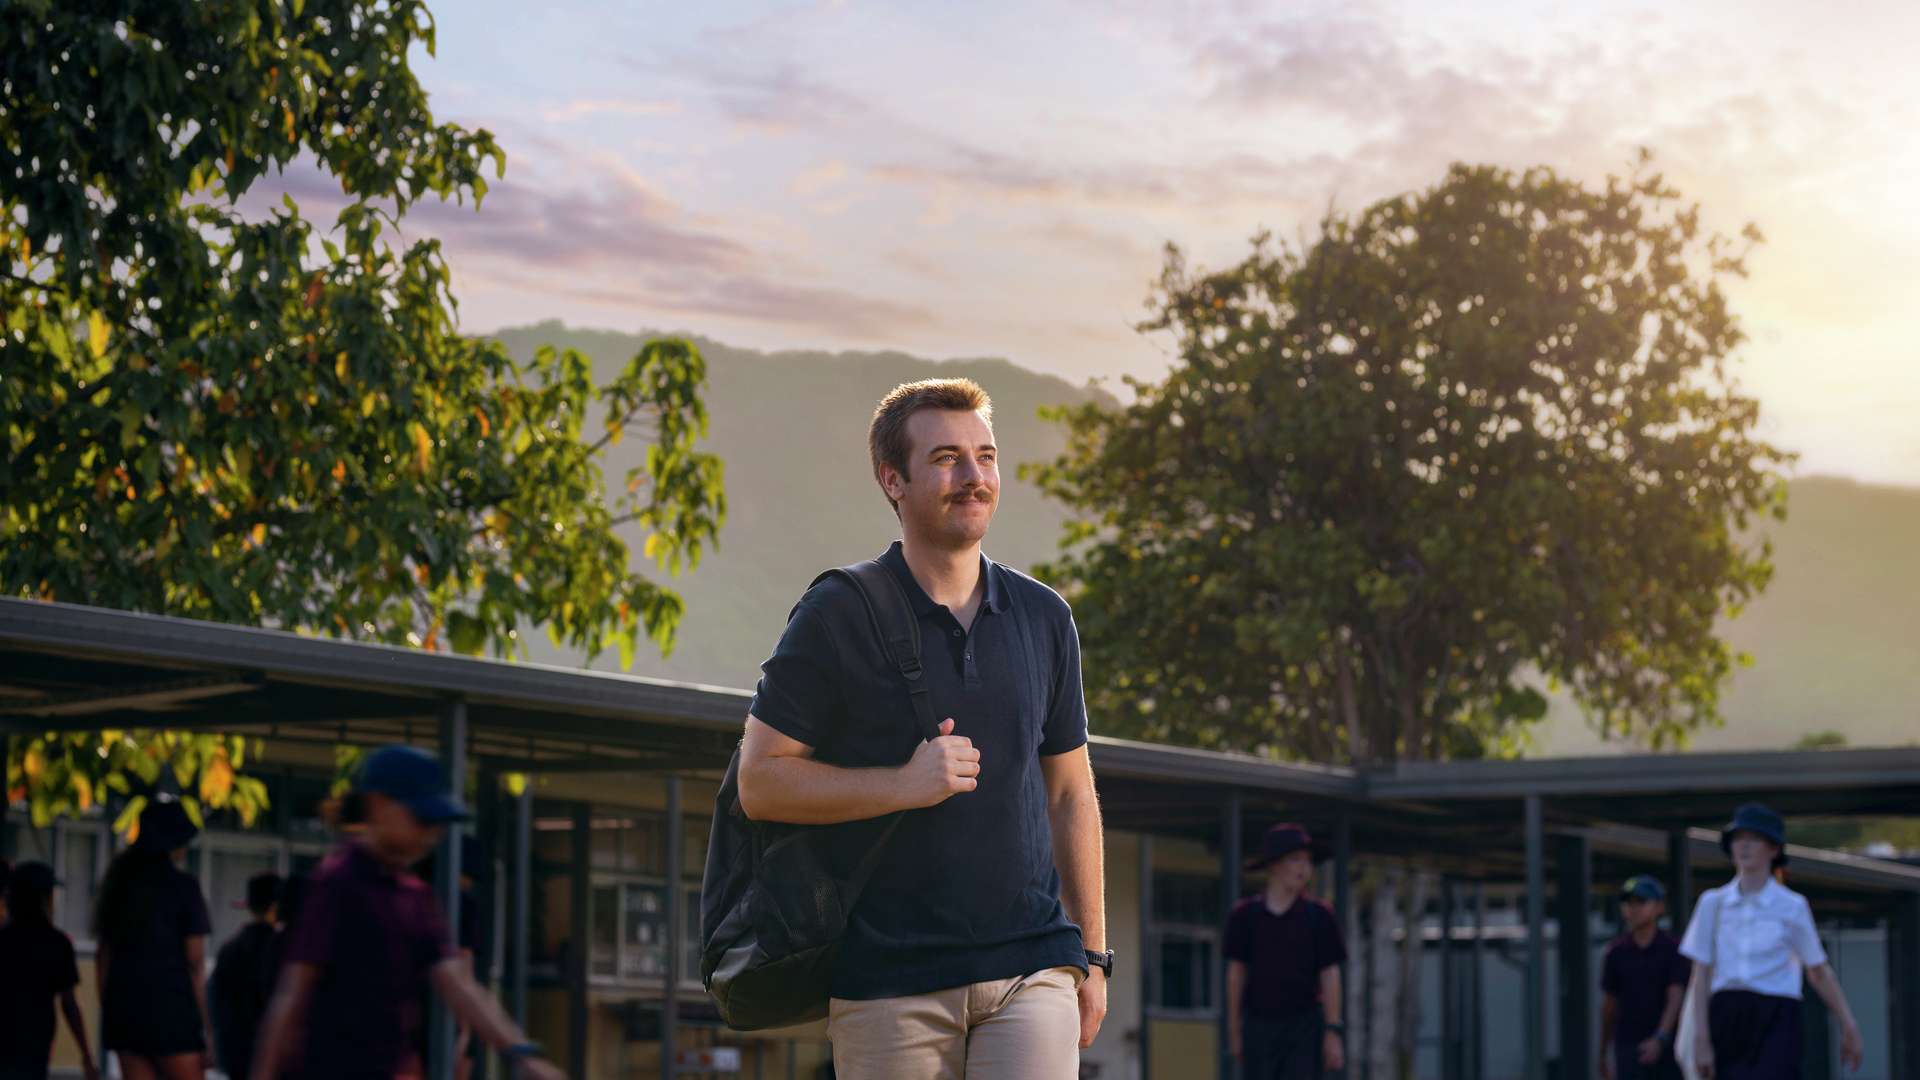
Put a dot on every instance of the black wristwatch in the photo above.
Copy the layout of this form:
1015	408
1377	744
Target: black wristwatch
1101	960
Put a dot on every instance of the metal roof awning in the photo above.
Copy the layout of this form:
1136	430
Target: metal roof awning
72	667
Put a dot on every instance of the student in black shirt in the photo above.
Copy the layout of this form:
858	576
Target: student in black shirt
1643	978
1284	950
36	967
152	930
243	977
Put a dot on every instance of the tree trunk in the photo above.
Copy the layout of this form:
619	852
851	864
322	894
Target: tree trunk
1382	971
1412	951
1349	701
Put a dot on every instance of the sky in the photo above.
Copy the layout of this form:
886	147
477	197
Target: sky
1000	179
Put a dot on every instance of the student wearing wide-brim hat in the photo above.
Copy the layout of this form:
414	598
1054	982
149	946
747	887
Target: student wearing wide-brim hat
1284	950
151	924
1751	941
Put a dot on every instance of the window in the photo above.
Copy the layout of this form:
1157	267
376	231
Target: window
1184	937
82	862
629	933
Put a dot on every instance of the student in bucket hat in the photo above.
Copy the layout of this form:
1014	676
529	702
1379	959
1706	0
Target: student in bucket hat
1642	980
371	940
1753	942
151	926
1284	950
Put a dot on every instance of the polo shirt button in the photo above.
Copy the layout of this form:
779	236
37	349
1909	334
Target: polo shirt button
956	633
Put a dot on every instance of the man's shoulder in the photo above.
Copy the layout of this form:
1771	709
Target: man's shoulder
1040	599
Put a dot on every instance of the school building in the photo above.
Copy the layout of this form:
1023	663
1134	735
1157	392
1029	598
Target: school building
588	896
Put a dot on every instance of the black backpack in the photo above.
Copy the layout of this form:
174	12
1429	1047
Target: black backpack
772	909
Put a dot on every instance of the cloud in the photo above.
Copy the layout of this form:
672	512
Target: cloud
813	181
605	236
578	109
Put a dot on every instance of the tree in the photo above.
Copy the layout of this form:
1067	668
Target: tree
1466	440
233	415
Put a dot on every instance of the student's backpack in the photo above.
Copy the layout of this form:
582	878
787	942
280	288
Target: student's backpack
772	909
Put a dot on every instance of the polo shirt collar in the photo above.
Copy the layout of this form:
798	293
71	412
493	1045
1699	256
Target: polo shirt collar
1769	894
896	560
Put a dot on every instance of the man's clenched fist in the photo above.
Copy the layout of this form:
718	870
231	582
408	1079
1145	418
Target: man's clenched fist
941	768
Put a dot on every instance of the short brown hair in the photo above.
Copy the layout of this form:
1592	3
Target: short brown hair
887	435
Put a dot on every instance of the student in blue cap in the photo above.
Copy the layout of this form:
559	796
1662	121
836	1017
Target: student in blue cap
370	940
1642	979
1752	941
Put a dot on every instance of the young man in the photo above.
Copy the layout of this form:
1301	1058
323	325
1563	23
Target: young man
370	939
1284	950
1642	979
37	968
979	947
243	976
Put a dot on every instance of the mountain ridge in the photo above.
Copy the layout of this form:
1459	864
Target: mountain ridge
1831	638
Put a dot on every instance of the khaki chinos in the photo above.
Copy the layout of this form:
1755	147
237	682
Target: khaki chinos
1008	1029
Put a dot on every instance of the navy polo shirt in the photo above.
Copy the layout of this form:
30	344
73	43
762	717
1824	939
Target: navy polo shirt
1284	953
966	891
1638	980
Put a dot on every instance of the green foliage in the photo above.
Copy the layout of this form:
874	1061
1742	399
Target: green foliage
1472	434
239	417
1821	740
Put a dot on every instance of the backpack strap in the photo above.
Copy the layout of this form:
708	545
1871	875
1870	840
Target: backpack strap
899	630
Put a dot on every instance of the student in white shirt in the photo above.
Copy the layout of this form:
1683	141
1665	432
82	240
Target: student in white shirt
1750	940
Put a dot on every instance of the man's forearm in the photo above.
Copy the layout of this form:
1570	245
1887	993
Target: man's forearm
77	1023
1828	987
1078	854
1331	999
1670	1016
801	791
473	1006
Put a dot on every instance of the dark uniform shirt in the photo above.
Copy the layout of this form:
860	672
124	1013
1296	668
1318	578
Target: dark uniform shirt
36	965
373	935
966	890
149	1004
1284	954
1638	979
237	995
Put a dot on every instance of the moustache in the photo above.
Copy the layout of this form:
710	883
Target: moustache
978	496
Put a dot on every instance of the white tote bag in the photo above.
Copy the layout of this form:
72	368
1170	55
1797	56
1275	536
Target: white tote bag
1684	1038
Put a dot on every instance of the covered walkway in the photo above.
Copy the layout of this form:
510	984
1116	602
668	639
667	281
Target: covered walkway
1561	830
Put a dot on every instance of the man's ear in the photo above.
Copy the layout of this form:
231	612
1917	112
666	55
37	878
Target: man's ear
892	483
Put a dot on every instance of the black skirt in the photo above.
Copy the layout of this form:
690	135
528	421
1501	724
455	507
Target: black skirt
1755	1036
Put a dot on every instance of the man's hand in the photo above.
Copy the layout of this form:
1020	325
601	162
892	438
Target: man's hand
941	768
1852	1049
538	1069
1650	1050
1333	1052
1606	1065
1703	1055
1093	1003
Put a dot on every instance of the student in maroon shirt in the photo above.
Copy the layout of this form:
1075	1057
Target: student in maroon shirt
370	940
1284	950
36	968
1643	978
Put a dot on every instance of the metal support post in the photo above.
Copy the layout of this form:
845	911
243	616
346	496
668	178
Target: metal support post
1679	880
1578	1017
1231	848
581	941
1146	962
1533	1011
446	877
676	931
